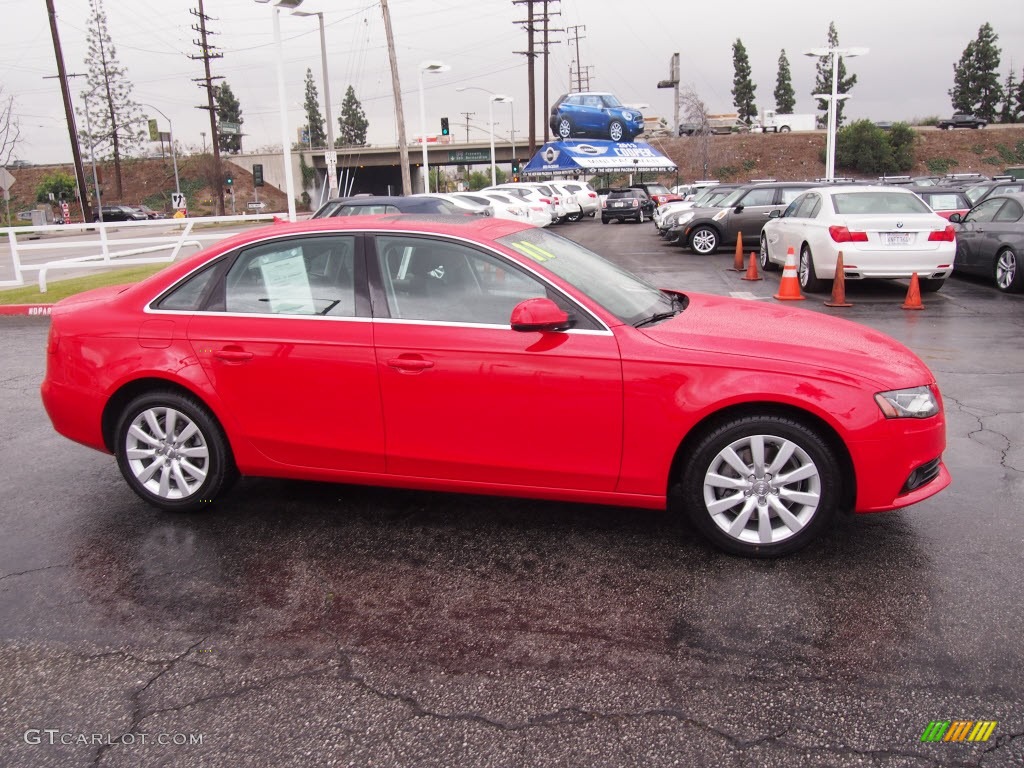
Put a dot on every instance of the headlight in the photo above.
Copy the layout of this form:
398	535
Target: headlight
680	218
913	403
627	115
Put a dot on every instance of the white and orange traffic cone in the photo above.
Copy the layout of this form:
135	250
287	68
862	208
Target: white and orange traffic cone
789	288
839	286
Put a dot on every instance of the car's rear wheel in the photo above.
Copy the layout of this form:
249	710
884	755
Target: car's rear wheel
805	271
1009	277
564	127
704	240
575	216
615	130
761	485
784	129
604	219
172	452
767	265
640	218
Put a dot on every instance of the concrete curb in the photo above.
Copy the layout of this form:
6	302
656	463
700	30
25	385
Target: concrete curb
25	309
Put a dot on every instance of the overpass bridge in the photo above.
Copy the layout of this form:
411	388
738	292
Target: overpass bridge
377	170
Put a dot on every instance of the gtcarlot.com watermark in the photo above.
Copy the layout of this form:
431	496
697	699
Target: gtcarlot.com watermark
53	736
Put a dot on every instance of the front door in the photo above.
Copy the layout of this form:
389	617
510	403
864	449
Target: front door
466	398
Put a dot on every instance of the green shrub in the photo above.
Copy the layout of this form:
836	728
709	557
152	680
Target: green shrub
863	147
61	185
940	165
749	165
930	120
726	172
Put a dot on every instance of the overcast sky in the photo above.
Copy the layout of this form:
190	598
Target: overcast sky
628	46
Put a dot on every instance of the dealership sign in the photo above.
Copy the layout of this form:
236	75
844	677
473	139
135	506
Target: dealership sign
597	157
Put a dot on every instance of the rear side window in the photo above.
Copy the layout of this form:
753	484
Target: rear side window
188	296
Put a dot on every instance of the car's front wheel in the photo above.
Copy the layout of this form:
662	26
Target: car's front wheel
767	265
616	130
172	452
805	271
564	127
1009	277
704	240
761	485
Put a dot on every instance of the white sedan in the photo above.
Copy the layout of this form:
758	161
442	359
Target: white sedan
882	232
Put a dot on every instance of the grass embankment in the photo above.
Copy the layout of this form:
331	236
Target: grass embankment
61	289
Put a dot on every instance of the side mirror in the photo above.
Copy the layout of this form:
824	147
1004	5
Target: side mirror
775	214
738	209
539	315
956	218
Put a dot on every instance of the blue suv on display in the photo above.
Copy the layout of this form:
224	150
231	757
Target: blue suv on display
594	115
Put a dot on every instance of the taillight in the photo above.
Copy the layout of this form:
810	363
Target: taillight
546	200
843	235
947	235
592	194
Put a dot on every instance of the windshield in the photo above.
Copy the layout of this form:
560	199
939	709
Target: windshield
730	200
621	293
852	203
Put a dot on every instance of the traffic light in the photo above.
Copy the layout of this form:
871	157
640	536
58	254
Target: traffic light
444	127
515	170
229	181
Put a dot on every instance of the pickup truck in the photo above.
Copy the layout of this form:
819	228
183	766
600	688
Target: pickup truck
961	121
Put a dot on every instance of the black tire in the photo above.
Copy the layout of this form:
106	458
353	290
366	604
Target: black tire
704	240
767	265
929	285
616	130
783	129
640	218
217	465
564	127
575	216
604	220
809	281
1007	272
807	517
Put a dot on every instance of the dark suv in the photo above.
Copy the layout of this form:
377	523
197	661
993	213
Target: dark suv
745	210
626	204
119	213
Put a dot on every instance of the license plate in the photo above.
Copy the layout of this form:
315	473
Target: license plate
618	205
897	238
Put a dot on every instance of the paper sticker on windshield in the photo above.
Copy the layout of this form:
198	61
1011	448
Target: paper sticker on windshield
534	252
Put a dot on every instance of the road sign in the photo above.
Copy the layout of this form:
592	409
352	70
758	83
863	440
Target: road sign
257	206
178	200
154	132
65	212
6	180
229	129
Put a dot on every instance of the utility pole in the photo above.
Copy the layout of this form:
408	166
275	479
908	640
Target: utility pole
531	54
209	52
467	115
396	90
69	113
576	36
547	29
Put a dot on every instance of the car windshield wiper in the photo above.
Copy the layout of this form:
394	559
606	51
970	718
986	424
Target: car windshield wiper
678	305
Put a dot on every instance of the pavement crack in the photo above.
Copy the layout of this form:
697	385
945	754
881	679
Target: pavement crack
33	570
984	428
166	665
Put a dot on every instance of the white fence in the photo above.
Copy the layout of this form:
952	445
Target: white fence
174	235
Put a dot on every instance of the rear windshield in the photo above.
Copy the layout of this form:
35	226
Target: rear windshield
853	203
625	193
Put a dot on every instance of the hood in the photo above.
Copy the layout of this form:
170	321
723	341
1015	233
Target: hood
791	337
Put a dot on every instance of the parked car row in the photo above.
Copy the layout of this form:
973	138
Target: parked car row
883	231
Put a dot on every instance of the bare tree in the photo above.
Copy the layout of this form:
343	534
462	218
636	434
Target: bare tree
695	112
10	131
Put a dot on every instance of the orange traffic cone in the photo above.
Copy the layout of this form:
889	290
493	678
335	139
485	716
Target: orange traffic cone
839	286
752	269
913	300
789	288
737	264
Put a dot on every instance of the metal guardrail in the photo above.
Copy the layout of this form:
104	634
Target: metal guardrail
174	241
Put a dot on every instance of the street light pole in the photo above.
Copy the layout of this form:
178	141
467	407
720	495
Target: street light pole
331	155
174	154
833	99
434	67
496	97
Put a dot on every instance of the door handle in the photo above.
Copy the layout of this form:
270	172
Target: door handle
232	355
410	364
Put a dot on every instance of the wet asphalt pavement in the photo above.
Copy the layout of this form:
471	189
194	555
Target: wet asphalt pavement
308	624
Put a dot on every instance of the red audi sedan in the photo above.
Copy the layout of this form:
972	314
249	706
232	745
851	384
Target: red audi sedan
488	356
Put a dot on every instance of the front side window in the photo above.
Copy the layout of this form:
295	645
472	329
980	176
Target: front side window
984	212
309	276
758	197
436	280
793	209
1012	211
